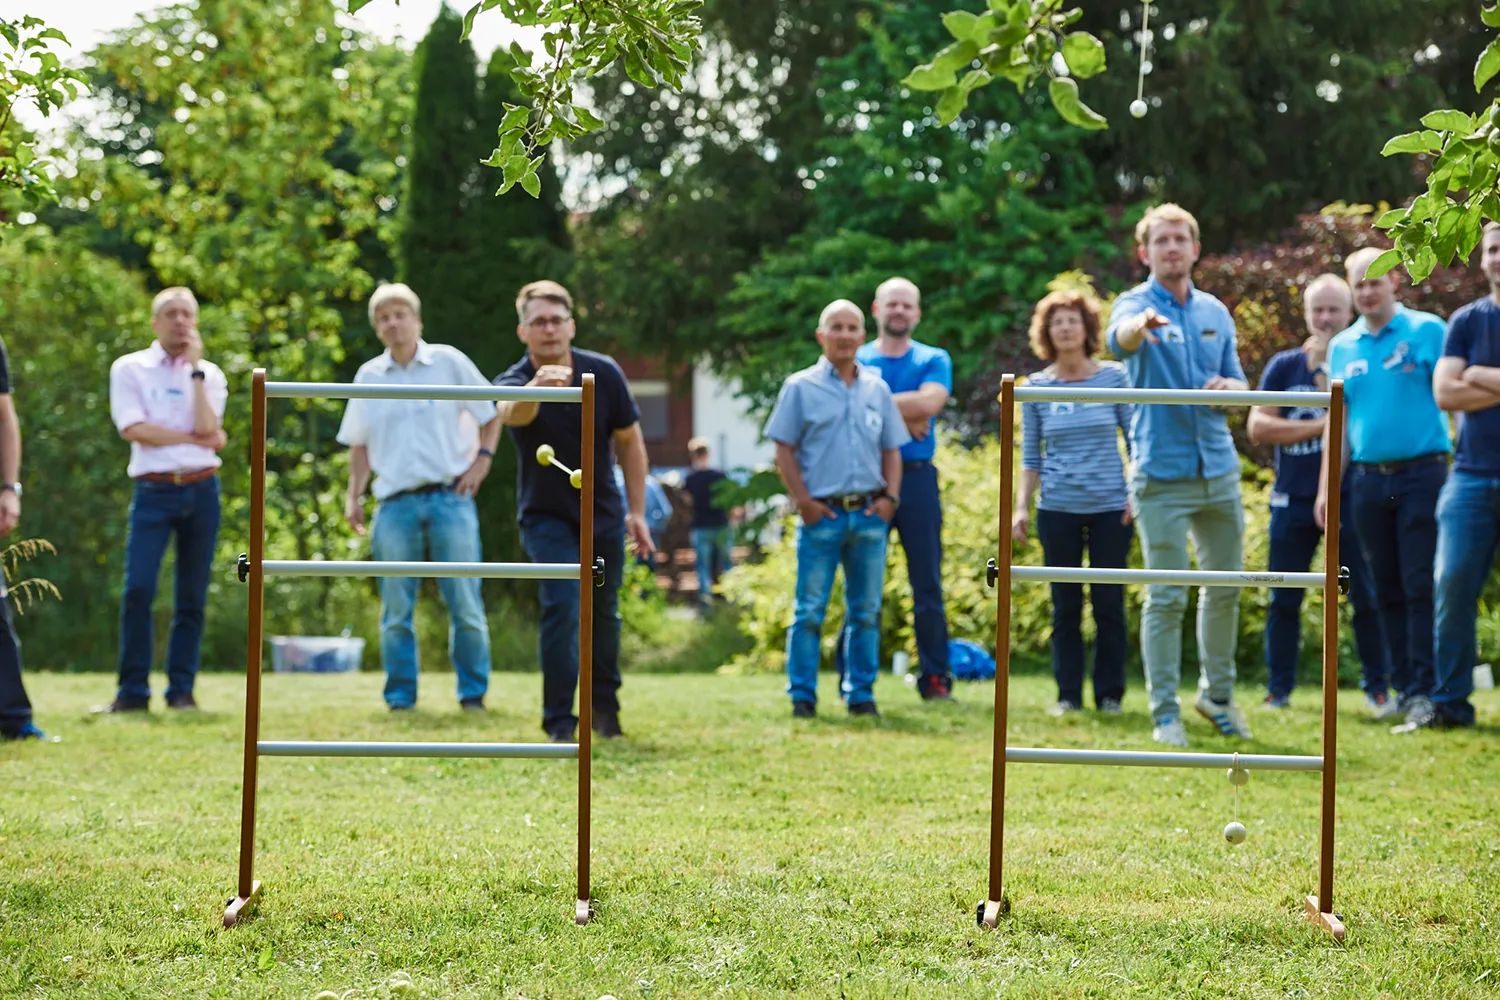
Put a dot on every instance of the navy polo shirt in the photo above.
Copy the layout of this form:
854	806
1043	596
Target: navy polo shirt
1474	336
544	491
1299	465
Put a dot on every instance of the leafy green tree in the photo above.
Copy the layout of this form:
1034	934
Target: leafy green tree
31	73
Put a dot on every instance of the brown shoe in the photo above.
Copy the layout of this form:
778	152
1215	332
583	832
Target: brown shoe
119	705
182	701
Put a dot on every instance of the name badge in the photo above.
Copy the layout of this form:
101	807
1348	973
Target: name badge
1171	335
873	420
1357	367
1062	409
1397	356
1210	334
1280	500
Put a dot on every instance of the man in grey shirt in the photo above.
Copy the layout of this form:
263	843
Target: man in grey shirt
838	436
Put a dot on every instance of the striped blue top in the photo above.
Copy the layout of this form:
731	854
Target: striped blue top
1075	446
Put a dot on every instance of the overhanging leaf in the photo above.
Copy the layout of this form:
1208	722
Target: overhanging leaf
1064	94
1084	54
1487	65
1449	121
1425	141
960	24
1490	16
1380	265
1389	219
951	104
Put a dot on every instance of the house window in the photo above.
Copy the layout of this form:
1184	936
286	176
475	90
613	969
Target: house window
652	399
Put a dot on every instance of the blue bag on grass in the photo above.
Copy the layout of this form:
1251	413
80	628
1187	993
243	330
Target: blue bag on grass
969	661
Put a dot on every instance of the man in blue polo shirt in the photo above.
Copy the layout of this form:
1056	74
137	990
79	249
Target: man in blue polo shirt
1186	479
1398	448
1468	514
920	377
838	436
1297	433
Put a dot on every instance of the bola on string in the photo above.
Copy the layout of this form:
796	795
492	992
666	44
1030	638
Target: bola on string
1139	107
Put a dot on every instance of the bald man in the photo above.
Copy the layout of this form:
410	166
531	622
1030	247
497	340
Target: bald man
838	435
1397	441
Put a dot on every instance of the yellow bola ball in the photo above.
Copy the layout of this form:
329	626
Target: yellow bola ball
545	454
576	479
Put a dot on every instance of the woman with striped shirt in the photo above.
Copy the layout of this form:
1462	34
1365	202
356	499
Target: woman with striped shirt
1071	452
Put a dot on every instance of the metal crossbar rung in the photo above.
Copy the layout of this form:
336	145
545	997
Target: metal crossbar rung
426	570
1189	397
1157	758
1172	577
495	393
315	748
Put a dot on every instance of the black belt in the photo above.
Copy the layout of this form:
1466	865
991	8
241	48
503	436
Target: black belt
417	491
917	463
1391	468
849	501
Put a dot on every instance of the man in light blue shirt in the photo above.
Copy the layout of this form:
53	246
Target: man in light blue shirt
1186	477
921	378
838	436
1397	441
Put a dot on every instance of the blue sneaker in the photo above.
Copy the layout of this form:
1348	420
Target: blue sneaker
27	732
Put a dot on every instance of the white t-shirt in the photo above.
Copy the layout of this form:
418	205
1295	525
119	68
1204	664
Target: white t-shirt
417	442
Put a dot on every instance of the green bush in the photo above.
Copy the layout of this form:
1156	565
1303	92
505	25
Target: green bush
970	482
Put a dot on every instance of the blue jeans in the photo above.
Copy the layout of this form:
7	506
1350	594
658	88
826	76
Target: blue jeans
1295	536
1468	516
711	548
159	512
408	528
550	539
1064	537
1395	517
919	520
15	708
856	541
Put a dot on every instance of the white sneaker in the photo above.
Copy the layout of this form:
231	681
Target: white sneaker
1171	733
1383	706
1224	714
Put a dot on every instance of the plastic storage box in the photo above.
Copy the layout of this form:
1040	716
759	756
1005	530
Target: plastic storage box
315	654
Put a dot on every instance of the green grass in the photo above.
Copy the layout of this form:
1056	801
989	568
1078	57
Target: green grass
735	854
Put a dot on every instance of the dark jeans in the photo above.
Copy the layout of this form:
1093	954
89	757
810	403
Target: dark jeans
553	540
15	708
158	513
1295	536
919	521
1468	530
1395	517
1064	538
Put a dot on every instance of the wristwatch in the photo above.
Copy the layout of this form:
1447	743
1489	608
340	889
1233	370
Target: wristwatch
895	501
486	453
199	374
13	487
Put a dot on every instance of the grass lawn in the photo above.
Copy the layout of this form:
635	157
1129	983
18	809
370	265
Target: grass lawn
735	853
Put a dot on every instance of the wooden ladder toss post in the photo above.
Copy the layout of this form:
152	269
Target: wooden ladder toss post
248	888
995	903
1320	907
584	909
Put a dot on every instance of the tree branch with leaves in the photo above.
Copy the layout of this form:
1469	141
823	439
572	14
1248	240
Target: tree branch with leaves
30	73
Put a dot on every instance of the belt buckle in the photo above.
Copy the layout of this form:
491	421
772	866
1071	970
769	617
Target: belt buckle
851	502
179	479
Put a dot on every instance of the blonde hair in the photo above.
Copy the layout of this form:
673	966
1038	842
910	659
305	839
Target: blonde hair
394	292
549	291
1323	281
838	306
698	446
171	294
1041	319
1167	212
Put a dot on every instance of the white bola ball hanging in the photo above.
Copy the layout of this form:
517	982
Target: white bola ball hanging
1238	776
1138	108
1235	832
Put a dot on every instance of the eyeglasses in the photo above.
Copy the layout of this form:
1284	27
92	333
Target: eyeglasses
543	322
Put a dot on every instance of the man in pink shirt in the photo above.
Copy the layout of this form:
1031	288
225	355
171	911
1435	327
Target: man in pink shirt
168	403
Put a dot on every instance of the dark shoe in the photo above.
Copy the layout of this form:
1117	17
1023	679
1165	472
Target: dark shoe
472	704
865	708
607	725
28	731
562	734
119	705
935	688
1455	714
182	701
804	710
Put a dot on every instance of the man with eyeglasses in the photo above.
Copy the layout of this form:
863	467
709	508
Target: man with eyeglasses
550	508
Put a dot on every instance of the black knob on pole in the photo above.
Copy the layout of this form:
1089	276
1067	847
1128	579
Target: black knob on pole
598	571
243	566
991	572
1344	580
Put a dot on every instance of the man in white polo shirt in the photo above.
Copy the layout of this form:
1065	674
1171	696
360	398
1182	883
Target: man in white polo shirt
429	458
168	403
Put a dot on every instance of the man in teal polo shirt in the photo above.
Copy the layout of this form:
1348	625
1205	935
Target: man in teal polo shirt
1397	440
1186	477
